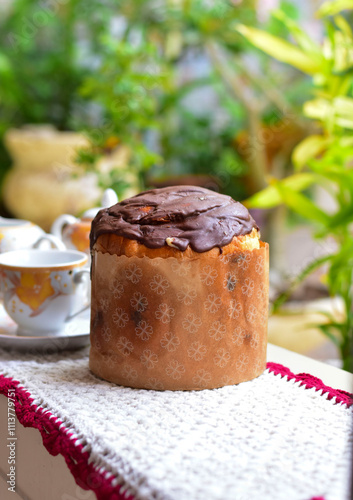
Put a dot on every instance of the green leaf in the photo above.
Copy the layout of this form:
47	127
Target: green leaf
280	49
326	330
318	109
270	197
5	65
345	122
344	26
300	36
302	205
332	7
343	106
309	148
342	218
340	272
315	264
339	111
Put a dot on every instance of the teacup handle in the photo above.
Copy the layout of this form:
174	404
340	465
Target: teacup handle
53	240
60	222
79	278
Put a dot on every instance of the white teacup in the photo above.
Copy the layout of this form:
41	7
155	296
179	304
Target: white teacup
43	289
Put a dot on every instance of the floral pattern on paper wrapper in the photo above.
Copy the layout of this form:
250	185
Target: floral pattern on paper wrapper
170	342
197	351
172	324
187	294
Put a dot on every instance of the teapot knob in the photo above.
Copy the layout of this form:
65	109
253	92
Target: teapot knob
109	198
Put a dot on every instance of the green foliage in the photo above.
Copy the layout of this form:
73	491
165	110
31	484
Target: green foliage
126	86
47	49
183	140
138	86
327	156
42	63
115	70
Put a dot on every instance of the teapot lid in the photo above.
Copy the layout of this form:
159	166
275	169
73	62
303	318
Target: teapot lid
109	198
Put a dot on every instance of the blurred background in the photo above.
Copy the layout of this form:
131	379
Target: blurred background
252	99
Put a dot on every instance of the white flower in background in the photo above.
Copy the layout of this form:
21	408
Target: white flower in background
186	294
208	275
133	273
129	373
170	342
117	289
230	282
120	317
111	359
175	369
103	304
149	359
202	378
154	384
234	309
124	346
165	313
139	302
248	287
159	284
221	358
244	261
254	342
217	330
181	268
106	333
251	314
212	303
260	264
238	335
242	362
191	323
143	330
197	351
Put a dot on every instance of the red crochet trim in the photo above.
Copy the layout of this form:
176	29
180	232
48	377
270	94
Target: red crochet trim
309	382
58	439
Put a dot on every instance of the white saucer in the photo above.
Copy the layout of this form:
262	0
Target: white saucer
74	336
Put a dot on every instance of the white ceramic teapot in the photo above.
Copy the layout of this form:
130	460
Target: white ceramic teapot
17	234
75	232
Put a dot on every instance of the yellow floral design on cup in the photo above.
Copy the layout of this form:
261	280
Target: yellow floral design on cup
34	288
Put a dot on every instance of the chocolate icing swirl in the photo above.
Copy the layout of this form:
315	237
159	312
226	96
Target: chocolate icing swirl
188	215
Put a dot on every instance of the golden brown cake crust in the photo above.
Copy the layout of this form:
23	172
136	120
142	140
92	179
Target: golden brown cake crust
118	245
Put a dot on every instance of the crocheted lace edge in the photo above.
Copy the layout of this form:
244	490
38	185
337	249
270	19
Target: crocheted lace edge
58	439
309	382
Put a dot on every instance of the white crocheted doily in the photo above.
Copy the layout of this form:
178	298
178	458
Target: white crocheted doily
267	439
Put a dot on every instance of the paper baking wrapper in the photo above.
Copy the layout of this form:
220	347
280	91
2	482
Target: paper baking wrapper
176	325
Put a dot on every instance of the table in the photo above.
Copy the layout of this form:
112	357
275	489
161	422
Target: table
42	476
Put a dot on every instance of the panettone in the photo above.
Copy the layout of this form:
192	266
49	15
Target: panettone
179	291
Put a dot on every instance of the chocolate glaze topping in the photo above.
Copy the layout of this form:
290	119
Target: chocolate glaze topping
186	215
